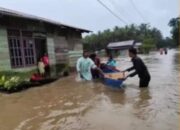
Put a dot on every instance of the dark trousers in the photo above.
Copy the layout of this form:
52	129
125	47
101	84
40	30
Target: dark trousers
47	70
144	81
95	73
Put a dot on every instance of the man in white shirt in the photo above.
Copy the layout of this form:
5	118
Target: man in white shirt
84	66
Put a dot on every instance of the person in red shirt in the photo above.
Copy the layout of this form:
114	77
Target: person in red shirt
45	60
97	62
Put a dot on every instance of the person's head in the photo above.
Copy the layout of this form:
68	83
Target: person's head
93	56
110	57
40	59
85	54
132	52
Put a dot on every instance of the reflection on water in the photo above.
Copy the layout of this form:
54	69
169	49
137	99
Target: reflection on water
70	105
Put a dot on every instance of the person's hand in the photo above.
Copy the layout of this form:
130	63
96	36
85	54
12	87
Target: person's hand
126	77
124	71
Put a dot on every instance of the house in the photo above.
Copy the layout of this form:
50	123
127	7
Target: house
25	38
122	46
138	46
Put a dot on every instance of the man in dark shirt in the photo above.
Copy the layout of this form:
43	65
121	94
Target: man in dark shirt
140	69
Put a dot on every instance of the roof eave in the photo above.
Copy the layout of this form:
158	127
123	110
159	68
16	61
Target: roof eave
30	17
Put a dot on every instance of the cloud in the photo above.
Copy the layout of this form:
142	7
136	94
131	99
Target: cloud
91	15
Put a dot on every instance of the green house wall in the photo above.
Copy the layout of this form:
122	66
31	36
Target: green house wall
4	51
5	63
71	43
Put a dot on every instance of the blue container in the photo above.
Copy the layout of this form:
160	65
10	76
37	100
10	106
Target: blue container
108	70
112	82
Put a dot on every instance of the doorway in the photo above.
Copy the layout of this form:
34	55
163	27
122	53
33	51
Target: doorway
41	47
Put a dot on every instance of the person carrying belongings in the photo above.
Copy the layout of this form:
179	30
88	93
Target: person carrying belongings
140	69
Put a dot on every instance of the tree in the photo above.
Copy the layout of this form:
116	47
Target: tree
174	24
151	37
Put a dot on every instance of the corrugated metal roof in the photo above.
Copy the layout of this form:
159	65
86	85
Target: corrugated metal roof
8	12
121	44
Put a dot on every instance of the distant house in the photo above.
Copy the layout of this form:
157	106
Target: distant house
24	39
138	44
122	46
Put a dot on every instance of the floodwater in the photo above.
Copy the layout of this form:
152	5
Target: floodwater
70	105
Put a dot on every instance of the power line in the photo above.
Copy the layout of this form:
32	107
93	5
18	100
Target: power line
137	10
114	14
119	9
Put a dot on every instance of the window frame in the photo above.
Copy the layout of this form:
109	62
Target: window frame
22	48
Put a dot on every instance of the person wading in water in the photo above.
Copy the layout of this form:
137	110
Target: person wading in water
84	66
140	68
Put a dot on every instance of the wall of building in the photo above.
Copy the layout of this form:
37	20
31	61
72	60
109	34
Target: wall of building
61	54
4	51
62	49
75	47
51	54
5	63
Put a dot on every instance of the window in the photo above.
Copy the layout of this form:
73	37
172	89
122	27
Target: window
28	51
15	52
21	46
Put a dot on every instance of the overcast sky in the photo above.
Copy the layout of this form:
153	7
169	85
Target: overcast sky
89	14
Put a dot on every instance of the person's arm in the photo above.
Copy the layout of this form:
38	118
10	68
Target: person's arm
93	66
137	66
130	69
78	65
132	74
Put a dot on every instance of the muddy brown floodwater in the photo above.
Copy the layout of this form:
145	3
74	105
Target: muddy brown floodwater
70	105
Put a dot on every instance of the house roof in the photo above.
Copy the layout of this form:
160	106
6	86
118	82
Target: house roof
8	12
138	44
122	44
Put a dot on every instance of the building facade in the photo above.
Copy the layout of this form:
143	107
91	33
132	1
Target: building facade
24	39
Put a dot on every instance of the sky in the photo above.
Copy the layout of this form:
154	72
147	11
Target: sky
90	14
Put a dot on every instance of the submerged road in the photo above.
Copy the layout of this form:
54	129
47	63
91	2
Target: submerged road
70	105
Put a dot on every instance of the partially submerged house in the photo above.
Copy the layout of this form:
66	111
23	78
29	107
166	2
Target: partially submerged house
24	39
122	46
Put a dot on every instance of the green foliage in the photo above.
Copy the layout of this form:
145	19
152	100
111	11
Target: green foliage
22	75
174	24
150	37
11	80
9	83
166	42
149	43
